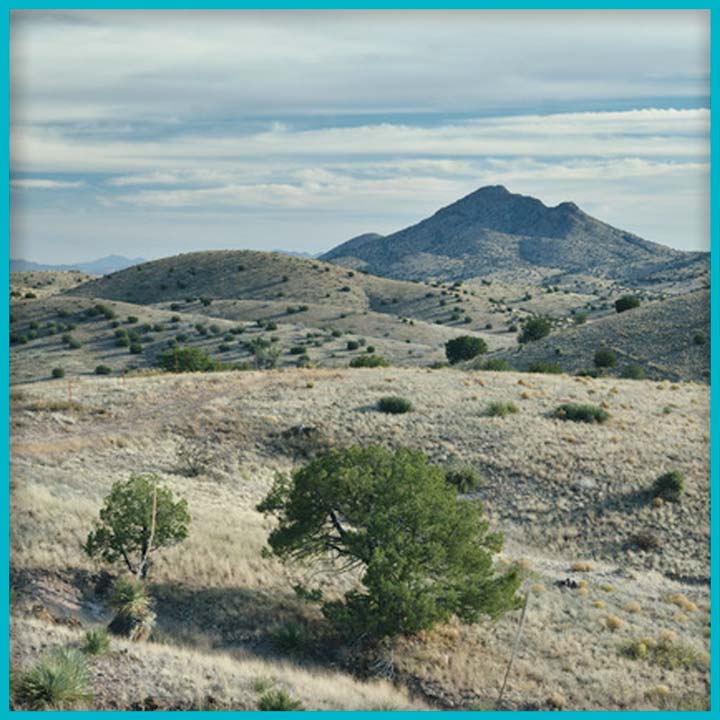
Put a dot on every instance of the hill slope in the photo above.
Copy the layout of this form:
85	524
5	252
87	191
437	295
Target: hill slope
668	338
495	231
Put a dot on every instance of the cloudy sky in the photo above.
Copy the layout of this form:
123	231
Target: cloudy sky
152	133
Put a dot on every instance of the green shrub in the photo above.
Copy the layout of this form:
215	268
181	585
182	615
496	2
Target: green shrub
589	372
58	372
58	681
626	302
272	325
464	477
136	348
633	372
534	329
123	530
501	409
605	358
369	506
492	364
543	366
185	360
369	361
464	347
223	348
74	343
353	345
131	319
669	486
97	642
394	405
580	318
370	349
577	412
122	341
699	338
103	370
278	700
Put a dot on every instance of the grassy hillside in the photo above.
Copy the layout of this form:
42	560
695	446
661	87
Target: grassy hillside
571	498
668	339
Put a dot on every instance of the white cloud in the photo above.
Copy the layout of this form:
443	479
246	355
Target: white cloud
44	184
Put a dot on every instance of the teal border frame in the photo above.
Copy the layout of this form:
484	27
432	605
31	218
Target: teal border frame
713	6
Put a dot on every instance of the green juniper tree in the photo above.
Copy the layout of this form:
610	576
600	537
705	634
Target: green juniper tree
423	553
137	518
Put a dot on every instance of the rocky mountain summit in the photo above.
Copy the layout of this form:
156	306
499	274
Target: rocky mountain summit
493	231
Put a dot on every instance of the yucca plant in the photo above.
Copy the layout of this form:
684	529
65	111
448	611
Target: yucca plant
278	700
58	681
97	642
134	617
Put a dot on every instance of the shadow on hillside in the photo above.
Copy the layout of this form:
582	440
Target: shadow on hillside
266	623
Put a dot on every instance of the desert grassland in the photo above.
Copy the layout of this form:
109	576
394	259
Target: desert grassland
569	498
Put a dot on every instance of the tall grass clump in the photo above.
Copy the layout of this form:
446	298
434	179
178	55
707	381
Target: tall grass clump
60	680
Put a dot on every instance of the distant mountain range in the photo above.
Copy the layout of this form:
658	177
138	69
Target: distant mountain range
495	231
102	266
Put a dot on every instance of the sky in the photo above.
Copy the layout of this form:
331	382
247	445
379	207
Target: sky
150	133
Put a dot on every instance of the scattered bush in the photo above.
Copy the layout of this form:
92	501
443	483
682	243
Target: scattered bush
292	638
128	529
493	365
58	681
577	412
278	700
103	370
464	477
58	373
534	329
580	318
501	409
669	486
626	302
185	360
74	343
394	404
354	501
97	642
136	348
605	358
353	345
122	341
464	347
131	320
543	366
699	338
369	361
633	372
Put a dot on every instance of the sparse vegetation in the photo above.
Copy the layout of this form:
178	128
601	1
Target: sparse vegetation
501	409
278	700
577	412
669	486
58	373
626	302
186	359
59	681
534	329
394	405
604	358
544	366
464	477
369	361
633	372
97	642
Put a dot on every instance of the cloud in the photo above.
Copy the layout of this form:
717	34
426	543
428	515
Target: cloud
44	184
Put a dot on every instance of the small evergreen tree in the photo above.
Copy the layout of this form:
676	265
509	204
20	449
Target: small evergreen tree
464	347
137	519
535	328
